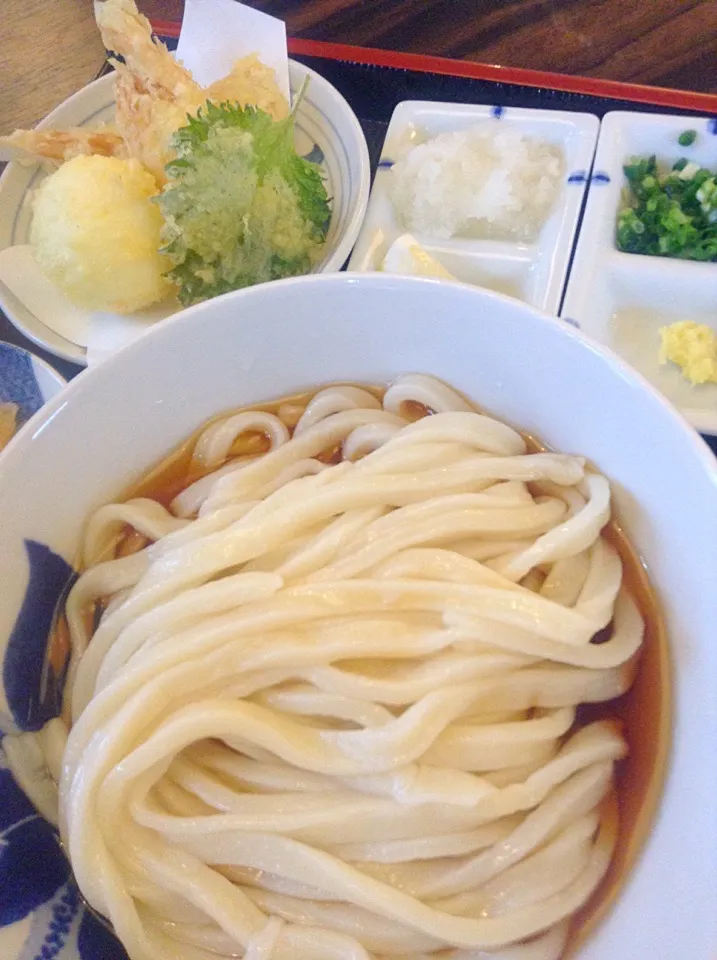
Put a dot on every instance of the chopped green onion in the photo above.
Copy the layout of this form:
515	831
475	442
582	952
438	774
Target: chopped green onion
687	138
668	213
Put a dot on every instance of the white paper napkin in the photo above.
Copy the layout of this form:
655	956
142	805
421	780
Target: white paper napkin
23	278
101	333
216	33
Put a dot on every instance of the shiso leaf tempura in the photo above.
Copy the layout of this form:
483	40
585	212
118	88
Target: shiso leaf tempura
240	205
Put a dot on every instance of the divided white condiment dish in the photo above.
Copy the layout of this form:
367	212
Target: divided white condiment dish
622	299
533	272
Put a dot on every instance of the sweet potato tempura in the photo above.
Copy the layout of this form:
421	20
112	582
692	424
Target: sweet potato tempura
250	82
153	93
8	423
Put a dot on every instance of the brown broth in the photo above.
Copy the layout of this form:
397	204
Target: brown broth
645	717
174	473
644	712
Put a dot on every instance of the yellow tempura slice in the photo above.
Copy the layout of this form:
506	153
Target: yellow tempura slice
8	418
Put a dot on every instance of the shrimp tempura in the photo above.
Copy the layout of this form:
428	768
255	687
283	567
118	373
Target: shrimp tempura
153	91
154	94
61	145
127	33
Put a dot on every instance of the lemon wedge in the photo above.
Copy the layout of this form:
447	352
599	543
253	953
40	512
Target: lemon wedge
406	256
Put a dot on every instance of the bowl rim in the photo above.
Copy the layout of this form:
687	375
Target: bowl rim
619	366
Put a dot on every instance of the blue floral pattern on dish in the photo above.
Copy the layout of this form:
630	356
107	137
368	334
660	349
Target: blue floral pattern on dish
18	383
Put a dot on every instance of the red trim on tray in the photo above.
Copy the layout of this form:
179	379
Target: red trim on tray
166	28
423	63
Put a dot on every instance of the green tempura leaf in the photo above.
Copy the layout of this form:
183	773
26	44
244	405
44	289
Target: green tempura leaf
240	206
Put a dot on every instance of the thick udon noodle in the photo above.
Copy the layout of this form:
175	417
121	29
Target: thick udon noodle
328	710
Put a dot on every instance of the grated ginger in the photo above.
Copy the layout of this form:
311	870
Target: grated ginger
693	347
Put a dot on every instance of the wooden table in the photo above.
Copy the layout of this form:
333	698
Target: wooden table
49	48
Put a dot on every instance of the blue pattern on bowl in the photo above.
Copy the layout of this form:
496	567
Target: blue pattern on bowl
95	940
33	673
37	888
32	864
36	884
315	155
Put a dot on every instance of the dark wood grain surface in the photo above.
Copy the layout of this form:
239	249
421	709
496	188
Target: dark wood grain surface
671	43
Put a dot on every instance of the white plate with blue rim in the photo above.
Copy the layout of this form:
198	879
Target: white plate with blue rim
326	132
622	299
535	271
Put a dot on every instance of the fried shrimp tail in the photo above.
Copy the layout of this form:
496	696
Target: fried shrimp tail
127	33
154	96
61	145
153	91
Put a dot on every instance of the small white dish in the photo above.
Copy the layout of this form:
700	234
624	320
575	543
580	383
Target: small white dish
326	130
532	272
26	380
622	299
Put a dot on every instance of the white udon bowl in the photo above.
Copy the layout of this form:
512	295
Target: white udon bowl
116	420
